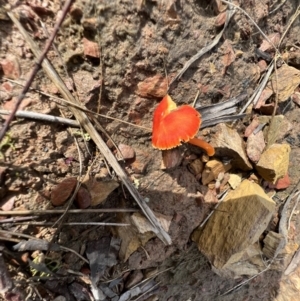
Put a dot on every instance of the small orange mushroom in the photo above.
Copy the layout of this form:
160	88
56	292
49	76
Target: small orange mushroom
172	126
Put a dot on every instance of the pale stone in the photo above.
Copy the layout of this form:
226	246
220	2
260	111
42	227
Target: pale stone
255	146
234	180
237	224
274	162
285	83
212	170
229	144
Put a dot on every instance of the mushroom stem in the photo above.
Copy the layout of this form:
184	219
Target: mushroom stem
204	145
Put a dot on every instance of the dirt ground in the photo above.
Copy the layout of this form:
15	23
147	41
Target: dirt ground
138	40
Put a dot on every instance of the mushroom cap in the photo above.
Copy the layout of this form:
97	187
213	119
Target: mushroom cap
172	125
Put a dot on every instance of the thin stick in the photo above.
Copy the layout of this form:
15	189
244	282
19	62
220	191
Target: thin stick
60	211
36	68
74	224
42	117
16	219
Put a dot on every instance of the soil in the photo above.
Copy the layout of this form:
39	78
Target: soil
137	40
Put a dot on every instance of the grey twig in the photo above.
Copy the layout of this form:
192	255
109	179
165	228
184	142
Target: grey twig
74	224
42	117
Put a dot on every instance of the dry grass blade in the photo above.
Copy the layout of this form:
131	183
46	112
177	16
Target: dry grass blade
88	126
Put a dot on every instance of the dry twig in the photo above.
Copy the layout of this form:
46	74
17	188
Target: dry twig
60	211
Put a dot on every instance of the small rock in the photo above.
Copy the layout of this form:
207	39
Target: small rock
171	158
212	170
155	86
237	224
10	67
296	98
91	49
7	86
282	183
234	180
251	127
262	65
280	83
228	143
255	146
63	191
126	151
196	167
8	203
274	162
83	198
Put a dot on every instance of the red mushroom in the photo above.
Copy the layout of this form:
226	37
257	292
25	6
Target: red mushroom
172	126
